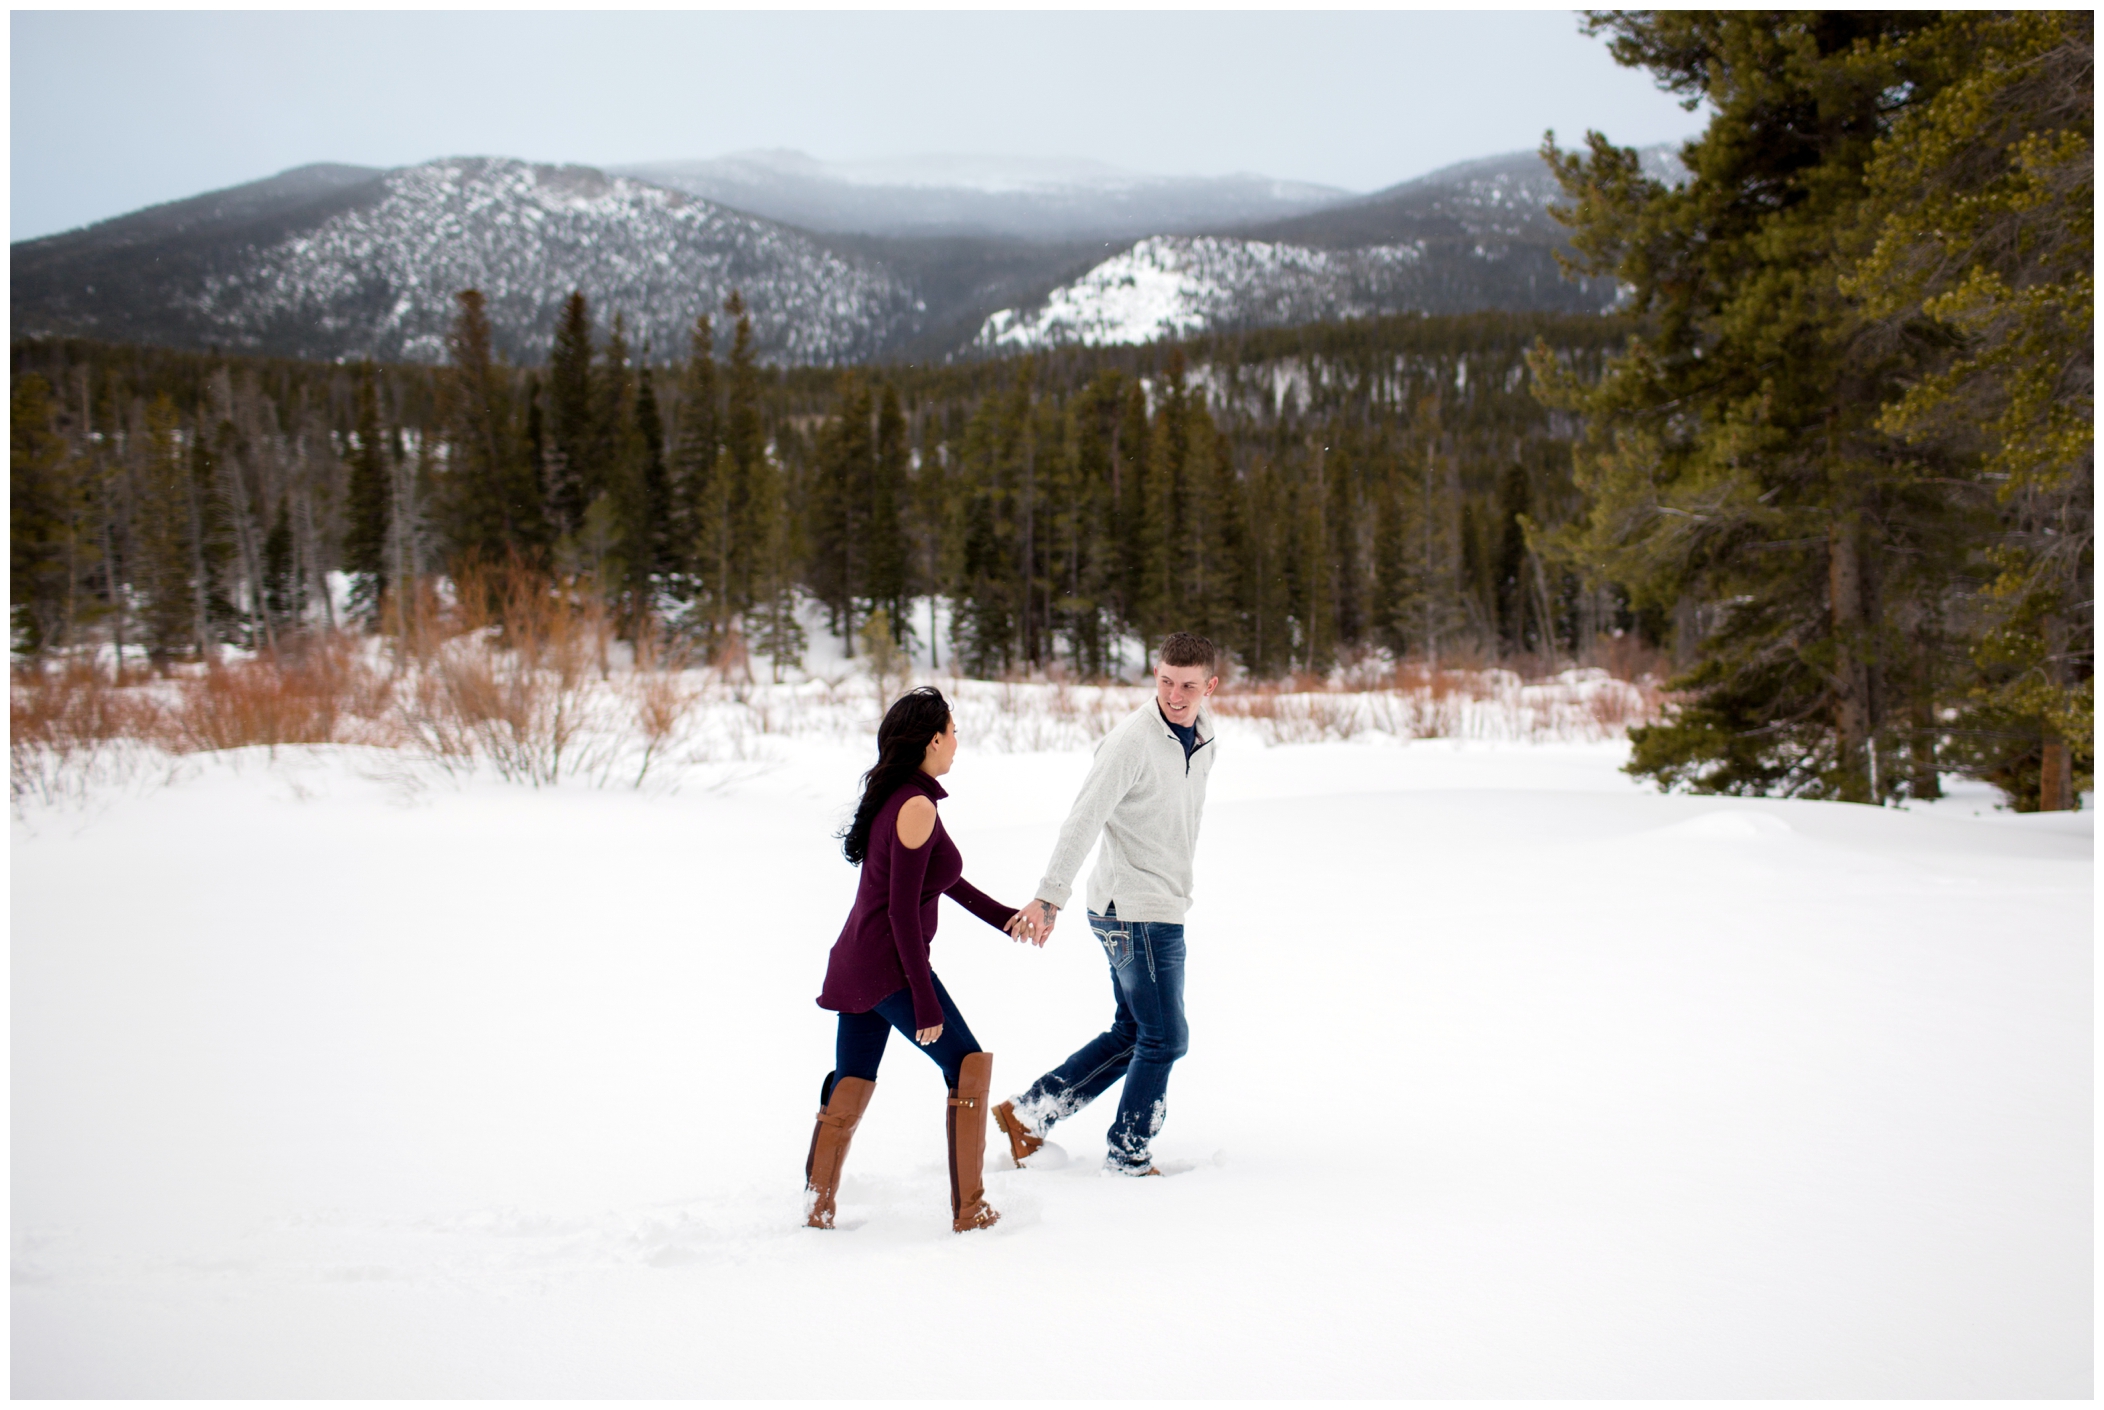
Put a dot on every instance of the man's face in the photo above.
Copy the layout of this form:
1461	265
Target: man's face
1179	689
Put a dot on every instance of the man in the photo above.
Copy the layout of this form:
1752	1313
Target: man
1143	796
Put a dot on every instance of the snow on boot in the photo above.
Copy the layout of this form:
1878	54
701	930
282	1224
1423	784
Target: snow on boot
1022	1141
968	1207
841	1102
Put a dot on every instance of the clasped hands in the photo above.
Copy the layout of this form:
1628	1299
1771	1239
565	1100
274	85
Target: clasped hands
1034	922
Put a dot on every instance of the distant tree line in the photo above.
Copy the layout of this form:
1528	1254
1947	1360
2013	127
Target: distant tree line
1302	496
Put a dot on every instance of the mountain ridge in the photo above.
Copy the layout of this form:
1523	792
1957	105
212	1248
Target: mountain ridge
338	261
972	194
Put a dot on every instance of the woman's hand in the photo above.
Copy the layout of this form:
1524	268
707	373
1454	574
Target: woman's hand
1034	922
926	1036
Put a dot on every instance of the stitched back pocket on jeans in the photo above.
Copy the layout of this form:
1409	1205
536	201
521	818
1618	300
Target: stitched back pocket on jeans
1115	939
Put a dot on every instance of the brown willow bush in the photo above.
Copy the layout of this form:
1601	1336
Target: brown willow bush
505	673
318	690
1415	700
509	667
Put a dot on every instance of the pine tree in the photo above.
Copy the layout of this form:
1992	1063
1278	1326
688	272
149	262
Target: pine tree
696	514
1228	599
162	532
1341	522
986	628
38	519
1087	589
1734	455
1389	616
1512	566
749	510
214	615
839	509
493	502
365	533
888	552
1136	527
284	596
573	475
1170	541
1980	210
634	501
657	479
771	622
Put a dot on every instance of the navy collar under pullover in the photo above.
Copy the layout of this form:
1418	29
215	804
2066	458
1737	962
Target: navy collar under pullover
1186	735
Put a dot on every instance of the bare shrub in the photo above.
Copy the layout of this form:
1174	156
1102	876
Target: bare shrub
71	728
508	679
1617	705
1333	716
70	705
1625	658
662	698
317	692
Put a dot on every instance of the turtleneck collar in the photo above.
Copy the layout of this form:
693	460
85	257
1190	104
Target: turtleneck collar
930	785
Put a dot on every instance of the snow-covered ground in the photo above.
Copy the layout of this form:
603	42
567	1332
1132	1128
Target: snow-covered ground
1508	1077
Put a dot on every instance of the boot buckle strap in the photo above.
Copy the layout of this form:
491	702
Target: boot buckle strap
964	1101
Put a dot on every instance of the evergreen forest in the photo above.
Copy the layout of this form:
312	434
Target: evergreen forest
1833	456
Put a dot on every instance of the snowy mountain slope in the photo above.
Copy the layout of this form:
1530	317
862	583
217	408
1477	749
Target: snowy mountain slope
371	269
1469	237
348	262
1172	285
1494	199
1024	197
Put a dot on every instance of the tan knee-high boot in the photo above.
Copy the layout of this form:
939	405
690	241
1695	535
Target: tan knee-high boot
837	1120
968	1207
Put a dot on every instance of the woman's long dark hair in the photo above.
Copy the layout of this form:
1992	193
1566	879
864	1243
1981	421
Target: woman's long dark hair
910	725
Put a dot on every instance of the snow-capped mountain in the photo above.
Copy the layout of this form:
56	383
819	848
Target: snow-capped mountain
951	194
354	264
1473	236
1170	286
335	261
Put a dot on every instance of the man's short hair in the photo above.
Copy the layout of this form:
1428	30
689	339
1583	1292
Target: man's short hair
1187	649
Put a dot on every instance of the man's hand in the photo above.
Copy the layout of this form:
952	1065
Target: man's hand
1034	922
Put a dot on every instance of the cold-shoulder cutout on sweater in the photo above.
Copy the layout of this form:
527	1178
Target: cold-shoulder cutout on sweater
884	945
916	822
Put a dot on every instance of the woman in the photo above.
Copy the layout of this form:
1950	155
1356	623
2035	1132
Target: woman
878	977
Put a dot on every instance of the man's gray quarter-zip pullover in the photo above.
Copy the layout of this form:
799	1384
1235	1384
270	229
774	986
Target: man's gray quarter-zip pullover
1144	798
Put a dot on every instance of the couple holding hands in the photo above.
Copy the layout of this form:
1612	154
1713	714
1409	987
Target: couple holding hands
1143	796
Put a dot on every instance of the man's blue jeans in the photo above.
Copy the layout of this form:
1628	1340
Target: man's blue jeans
1143	1042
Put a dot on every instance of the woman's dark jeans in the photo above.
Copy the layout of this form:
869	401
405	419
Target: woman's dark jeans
1143	1042
860	1045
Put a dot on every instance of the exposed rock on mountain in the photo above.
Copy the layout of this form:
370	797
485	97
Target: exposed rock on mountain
1019	197
344	263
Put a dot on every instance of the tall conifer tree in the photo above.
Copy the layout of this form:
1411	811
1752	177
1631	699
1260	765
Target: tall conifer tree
365	529
571	470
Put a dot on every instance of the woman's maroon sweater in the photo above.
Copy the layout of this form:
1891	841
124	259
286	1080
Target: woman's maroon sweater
884	946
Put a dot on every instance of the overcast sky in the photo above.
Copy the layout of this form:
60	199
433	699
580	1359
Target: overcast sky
117	110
